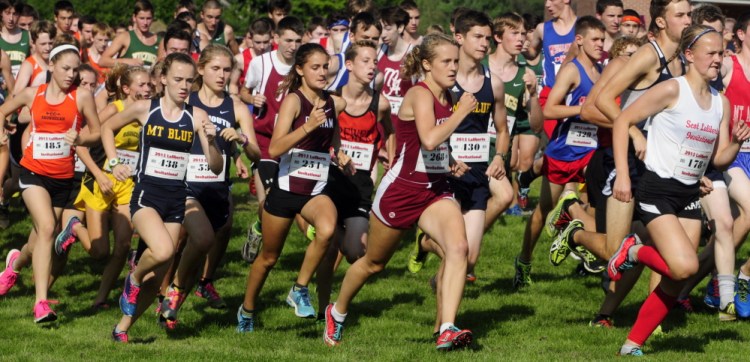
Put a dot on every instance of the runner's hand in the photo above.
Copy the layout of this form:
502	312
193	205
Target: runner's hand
466	104
639	144
242	171
621	190
210	130
741	132
229	134
706	186
71	137
496	168
105	184
121	172
458	168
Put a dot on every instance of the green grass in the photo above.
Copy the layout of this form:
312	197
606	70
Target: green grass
390	320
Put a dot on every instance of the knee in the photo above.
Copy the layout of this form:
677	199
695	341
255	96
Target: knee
45	231
685	269
163	253
457	249
201	243
374	267
324	231
267	261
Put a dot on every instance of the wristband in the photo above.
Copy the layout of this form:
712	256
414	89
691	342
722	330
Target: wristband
245	140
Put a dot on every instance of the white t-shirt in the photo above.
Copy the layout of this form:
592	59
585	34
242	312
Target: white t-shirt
260	69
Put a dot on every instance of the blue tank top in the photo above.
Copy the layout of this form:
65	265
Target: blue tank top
560	147
475	123
554	47
199	174
165	146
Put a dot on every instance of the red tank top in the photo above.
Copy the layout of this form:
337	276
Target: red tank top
738	95
36	70
46	153
413	163
360	137
394	87
247	56
265	117
304	169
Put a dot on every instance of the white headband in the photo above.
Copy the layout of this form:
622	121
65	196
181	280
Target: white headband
60	48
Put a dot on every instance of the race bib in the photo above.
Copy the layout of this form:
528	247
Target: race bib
468	147
198	170
79	166
361	154
582	135
395	103
309	165
691	164
50	146
511	124
436	161
168	165
127	158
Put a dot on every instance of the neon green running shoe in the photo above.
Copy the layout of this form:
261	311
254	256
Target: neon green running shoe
561	245
310	233
417	256
523	275
558	218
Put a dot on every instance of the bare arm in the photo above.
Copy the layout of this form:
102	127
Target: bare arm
636	68
23	78
384	116
567	79
118	47
725	150
231	42
496	168
245	120
7	74
536	42
88	110
589	112
206	133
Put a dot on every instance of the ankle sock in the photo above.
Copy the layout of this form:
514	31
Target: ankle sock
445	326
743	276
338	317
726	289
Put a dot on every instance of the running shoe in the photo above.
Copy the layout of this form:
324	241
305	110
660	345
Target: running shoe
172	303
208	291
558	218
712	298
635	352
334	330
8	277
514	211
471	278
741	300
601	321
129	297
453	338
620	261
310	233
253	191
685	305
417	256
523	197
252	244
245	323
591	263
561	245
728	314
523	274
67	237
300	300
43	313
120	337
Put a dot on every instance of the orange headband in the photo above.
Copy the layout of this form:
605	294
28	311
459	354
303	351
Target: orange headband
631	18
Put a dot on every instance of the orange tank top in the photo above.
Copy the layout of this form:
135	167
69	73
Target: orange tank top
46	152
101	72
36	70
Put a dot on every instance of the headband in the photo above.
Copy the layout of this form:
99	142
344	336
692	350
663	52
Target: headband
61	48
343	22
632	18
704	32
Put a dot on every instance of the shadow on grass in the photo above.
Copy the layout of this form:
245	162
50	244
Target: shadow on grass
480	322
694	343
148	340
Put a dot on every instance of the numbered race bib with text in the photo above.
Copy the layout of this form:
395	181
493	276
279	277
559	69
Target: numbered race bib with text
470	147
360	153
435	161
199	171
395	103
582	135
50	146
309	165
170	165
691	164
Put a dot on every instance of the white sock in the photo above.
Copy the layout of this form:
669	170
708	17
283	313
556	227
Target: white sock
338	317
726	289
445	326
743	276
627	348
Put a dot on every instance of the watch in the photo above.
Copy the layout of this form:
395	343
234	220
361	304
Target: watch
113	162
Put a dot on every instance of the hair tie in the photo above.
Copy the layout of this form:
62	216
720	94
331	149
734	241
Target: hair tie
61	48
704	32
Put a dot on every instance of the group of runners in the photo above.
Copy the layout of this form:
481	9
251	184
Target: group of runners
638	133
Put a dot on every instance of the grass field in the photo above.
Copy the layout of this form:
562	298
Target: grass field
391	319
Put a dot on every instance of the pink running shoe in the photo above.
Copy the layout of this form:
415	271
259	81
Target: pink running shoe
8	276
43	313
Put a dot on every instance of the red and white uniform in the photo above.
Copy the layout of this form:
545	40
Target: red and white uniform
264	77
418	177
304	169
394	86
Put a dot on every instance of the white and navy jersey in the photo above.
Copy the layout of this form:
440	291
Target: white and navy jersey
199	173
470	142
681	140
342	75
303	170
165	146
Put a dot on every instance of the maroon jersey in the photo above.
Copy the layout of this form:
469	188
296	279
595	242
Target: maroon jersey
394	87
304	169
264	77
414	163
